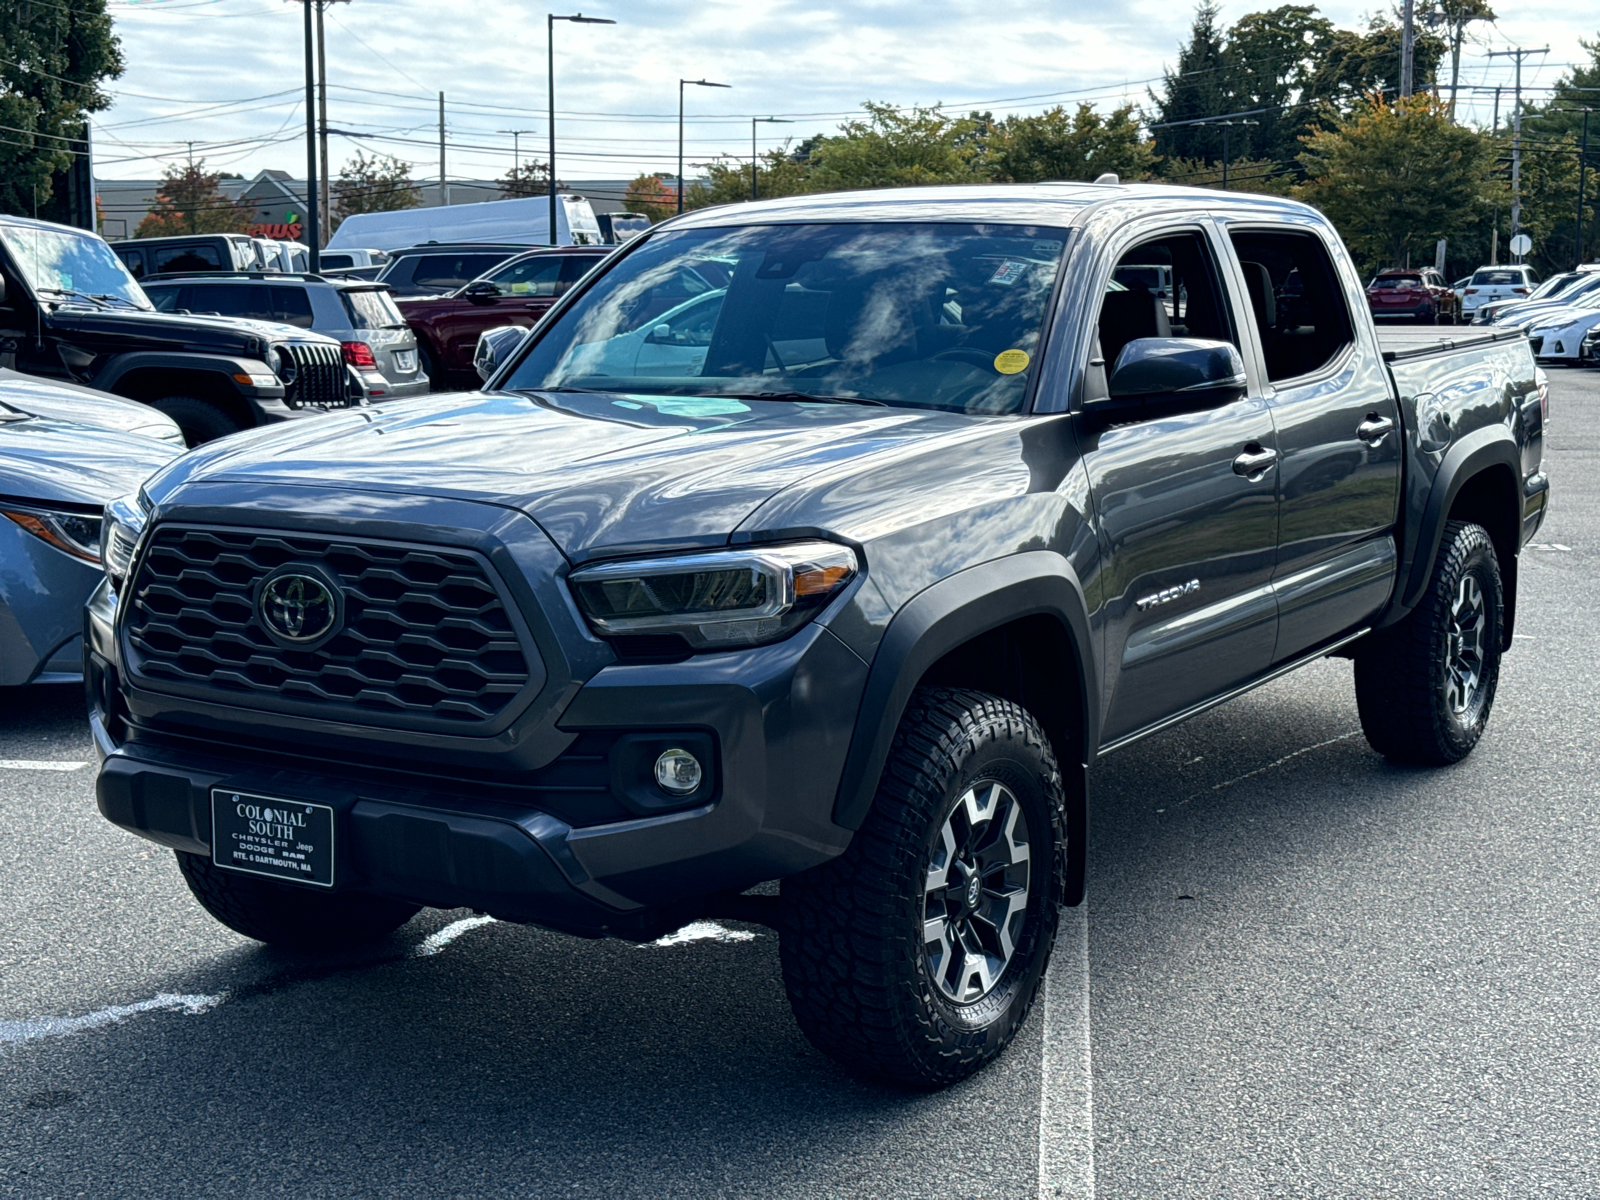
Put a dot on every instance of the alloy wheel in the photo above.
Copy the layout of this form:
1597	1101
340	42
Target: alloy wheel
975	899
1464	657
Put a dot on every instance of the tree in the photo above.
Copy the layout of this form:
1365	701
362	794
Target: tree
649	195
189	201
1549	187
1197	87
526	179
1396	177
53	59
897	147
1057	144
1271	58
1356	64
1562	117
1267	175
727	180
368	185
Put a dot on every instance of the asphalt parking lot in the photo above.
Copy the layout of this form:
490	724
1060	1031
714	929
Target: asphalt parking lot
1302	972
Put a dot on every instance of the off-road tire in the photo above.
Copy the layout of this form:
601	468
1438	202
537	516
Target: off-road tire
430	368
200	420
855	963
1403	681
284	915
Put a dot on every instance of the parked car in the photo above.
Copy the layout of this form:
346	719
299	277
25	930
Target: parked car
616	228
371	333
601	652
283	256
90	322
1583	284
56	477
438	268
344	260
189	252
1558	335
1417	295
516	292
78	405
1497	283
524	221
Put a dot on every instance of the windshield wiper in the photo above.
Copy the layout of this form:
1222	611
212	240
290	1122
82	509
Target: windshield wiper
73	292
801	397
117	298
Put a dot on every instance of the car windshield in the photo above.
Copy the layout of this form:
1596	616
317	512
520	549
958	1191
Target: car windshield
924	315
1556	283
61	264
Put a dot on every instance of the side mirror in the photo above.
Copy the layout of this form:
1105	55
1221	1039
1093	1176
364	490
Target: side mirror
1177	369
481	289
661	335
495	347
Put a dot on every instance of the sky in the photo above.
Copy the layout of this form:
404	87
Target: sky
229	74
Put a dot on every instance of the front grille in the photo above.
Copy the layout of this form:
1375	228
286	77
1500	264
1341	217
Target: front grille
319	376
428	640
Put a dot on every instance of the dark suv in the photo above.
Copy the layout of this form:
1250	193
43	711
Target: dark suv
435	268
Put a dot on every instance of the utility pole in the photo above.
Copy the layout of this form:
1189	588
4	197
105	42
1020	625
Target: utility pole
1408	45
1516	134
444	188
516	152
313	228
1583	163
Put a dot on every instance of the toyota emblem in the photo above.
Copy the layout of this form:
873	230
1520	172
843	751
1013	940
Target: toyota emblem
297	608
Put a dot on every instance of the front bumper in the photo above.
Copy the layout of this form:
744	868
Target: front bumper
505	830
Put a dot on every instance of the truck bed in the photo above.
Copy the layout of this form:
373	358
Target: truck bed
1420	341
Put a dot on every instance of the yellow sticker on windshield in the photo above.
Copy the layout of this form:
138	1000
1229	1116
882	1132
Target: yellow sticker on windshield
1011	362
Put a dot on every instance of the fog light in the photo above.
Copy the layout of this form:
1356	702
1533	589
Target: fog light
678	772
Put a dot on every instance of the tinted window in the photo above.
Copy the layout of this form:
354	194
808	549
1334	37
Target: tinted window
291	305
231	300
335	262
133	260
164	298
188	258
1393	281
372	310
928	315
1296	301
452	270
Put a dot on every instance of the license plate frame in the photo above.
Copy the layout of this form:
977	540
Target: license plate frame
405	360
276	837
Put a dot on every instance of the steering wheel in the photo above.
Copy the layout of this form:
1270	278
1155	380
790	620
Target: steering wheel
966	354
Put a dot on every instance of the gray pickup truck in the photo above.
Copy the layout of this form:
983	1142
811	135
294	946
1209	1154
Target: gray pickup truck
825	540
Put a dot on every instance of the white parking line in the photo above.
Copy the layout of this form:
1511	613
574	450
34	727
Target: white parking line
438	941
1066	1081
12	1032
39	764
702	931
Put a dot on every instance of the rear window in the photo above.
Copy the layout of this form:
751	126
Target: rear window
1393	281
452	270
336	262
372	310
1499	279
188	258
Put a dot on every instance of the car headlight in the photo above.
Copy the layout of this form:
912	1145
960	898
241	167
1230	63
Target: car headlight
717	600
125	519
74	533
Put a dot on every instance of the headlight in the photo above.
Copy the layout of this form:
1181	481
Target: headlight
124	523
74	533
718	600
273	359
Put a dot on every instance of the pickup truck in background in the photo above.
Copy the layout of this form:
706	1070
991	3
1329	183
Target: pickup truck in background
937	500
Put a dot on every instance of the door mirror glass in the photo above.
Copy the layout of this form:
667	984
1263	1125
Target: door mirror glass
495	346
1180	368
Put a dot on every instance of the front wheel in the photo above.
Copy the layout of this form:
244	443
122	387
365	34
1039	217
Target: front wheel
916	955
200	420
1424	687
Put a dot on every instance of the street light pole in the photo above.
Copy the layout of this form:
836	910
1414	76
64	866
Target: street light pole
681	84
550	48
516	153
314	238
1583	164
754	195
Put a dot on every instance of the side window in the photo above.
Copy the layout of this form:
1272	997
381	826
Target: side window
337	262
188	258
573	268
165	299
530	277
134	261
1296	301
1166	287
231	300
292	306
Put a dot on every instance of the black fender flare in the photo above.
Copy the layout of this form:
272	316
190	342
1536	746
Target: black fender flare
1481	450
224	367
944	616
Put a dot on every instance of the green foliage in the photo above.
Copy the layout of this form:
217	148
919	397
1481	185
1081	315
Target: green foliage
1395	178
649	195
1560	120
1549	199
372	184
189	201
1270	60
1356	64
1058	144
898	148
526	179
727	181
1264	175
55	57
1197	87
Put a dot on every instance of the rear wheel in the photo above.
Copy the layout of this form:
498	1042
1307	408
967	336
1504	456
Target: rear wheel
284	915
917	954
1425	687
430	367
200	420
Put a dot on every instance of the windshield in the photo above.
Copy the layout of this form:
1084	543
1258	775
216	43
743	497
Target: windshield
924	315
59	261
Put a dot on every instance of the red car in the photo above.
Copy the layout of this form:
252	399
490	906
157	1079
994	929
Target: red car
1419	295
517	292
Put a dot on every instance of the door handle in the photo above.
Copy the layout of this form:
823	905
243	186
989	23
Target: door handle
1254	462
1374	429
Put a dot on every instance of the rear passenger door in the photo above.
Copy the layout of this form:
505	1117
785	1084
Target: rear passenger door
1338	428
1185	496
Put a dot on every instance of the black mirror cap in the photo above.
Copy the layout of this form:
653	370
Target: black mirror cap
1149	368
481	287
495	346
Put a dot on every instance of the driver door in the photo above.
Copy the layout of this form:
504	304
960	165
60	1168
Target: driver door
1186	498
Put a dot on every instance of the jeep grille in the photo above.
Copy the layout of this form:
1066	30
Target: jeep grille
319	376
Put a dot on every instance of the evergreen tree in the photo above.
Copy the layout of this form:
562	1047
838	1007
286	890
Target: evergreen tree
530	178
1197	87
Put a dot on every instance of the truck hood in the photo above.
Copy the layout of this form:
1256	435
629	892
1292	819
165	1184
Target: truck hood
227	335
601	473
48	461
84	406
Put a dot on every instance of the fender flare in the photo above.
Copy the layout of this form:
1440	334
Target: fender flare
1479	451
224	367
938	620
